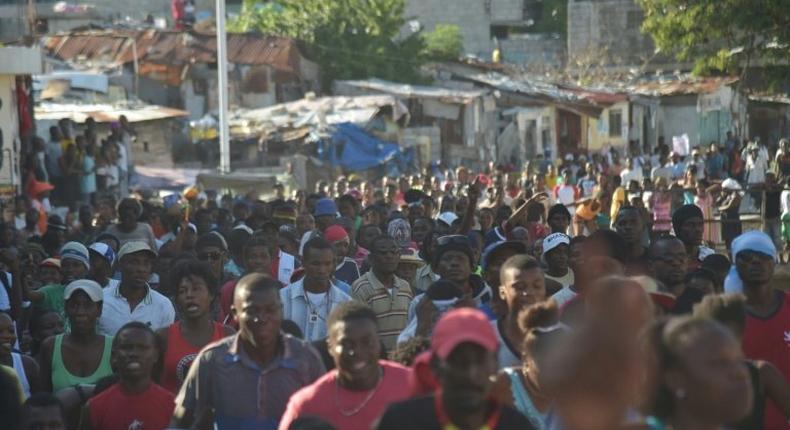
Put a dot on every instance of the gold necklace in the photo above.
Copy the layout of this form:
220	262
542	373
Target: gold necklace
348	413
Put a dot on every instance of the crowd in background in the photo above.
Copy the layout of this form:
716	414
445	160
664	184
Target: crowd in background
599	291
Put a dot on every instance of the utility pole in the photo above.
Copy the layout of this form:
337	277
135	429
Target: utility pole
222	90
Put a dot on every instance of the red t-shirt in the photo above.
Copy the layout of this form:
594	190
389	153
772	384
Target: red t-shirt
321	399
180	354
768	339
114	409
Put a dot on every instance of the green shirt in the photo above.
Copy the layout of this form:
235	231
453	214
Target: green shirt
53	299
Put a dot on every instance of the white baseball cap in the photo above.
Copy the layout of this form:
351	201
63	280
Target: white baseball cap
91	288
448	218
554	240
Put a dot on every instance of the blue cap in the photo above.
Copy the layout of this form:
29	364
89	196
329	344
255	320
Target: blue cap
104	250
325	207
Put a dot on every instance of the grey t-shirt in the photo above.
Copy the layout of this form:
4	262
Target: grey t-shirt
142	233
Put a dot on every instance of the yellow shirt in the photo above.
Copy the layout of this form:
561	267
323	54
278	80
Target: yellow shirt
618	199
551	180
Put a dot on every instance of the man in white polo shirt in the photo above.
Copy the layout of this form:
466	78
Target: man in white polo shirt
133	299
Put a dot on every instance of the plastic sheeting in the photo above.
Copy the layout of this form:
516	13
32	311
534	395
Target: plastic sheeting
353	149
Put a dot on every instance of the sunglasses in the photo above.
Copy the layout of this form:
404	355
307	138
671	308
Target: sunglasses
213	256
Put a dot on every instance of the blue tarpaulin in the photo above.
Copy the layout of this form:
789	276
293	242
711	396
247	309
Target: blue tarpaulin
353	149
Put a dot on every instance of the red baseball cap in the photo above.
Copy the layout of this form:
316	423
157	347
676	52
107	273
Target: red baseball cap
460	326
335	233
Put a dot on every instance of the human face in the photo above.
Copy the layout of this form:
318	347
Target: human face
347	210
7	335
72	270
323	221
305	223
341	248
319	265
455	266
669	262
407	272
691	231
559	223
49	275
367	235
522	288
420	230
44	418
355	348
136	269
82	312
486	220
214	256
372	218
557	259
629	226
713	375
465	376
384	256
702	284
49	324
577	256
754	268
127	215
193	297
257	259
134	354
100	268
259	314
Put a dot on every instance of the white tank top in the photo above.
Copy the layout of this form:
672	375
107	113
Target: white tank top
19	367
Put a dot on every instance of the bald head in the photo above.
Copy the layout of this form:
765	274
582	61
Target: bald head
254	283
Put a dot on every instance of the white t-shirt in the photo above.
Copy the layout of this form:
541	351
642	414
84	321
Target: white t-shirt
317	301
631	175
567	195
566	280
155	310
563	296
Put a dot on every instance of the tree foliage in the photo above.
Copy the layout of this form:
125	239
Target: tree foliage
349	39
443	43
720	35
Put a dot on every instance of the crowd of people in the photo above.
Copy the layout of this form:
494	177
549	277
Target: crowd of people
588	294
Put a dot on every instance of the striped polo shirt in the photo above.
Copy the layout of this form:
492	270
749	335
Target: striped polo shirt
391	306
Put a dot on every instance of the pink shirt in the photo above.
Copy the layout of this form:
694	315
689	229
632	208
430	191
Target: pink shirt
321	399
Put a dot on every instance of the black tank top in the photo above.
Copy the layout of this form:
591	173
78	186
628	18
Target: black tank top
755	419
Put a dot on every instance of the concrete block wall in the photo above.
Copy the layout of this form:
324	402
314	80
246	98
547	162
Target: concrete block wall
469	15
614	24
507	10
534	50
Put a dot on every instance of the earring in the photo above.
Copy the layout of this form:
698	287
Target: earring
680	393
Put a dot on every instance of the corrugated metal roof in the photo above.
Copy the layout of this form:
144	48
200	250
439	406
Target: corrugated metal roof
408	91
311	114
114	47
683	86
105	113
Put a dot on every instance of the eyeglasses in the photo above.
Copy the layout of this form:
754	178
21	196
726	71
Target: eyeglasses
454	239
213	256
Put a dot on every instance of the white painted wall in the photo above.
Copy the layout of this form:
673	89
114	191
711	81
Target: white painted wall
10	130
